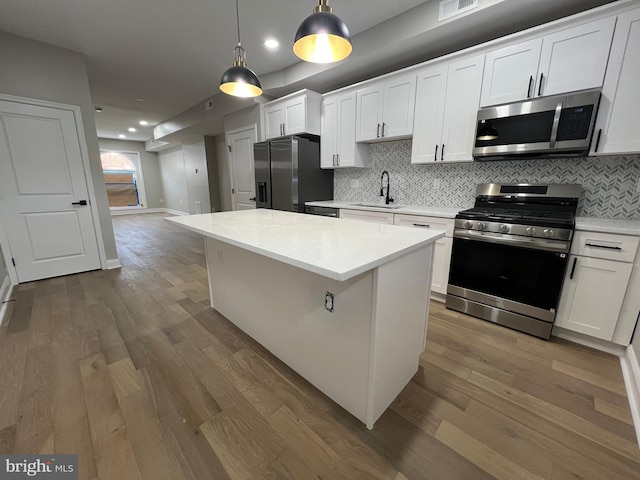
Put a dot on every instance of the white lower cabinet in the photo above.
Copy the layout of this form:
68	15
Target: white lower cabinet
367	216
443	248
596	286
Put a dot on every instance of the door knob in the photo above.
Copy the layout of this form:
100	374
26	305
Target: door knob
81	202
252	199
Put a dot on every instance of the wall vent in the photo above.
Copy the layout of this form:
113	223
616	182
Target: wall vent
208	105
451	8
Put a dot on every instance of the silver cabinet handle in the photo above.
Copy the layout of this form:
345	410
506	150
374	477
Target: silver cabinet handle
442	154
530	85
423	225
435	155
383	125
284	132
593	245
338	158
378	131
334	159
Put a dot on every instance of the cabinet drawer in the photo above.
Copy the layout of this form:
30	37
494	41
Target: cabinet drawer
609	246
367	216
435	223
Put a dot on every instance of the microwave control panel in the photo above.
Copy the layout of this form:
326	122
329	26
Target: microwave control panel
574	123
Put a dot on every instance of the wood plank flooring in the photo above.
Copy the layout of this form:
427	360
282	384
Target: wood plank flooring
133	371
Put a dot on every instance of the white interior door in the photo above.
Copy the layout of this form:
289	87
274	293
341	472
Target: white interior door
243	178
44	194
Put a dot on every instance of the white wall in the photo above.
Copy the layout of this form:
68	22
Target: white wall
181	185
3	269
37	70
173	181
150	167
635	344
196	177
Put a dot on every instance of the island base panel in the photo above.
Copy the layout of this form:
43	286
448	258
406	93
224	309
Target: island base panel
360	355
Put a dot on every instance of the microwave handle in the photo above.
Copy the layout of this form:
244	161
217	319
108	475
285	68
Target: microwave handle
554	127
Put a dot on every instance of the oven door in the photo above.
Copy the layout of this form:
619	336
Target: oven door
515	278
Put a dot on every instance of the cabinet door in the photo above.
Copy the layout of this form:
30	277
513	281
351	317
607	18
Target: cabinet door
592	296
367	216
369	113
443	246
510	73
575	58
273	120
295	115
346	134
399	102
328	138
429	113
617	122
464	81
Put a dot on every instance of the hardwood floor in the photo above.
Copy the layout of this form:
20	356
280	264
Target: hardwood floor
133	371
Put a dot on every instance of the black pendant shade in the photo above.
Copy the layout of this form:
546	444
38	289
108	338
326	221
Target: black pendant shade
322	37
240	80
486	131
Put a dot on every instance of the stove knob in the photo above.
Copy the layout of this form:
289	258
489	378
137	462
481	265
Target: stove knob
468	224
504	228
530	231
482	226
548	232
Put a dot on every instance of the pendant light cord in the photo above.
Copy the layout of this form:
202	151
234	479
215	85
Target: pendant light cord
238	20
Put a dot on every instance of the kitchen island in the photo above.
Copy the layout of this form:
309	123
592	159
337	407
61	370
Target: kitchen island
343	303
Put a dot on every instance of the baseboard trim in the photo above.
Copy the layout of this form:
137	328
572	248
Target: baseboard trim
175	212
113	263
587	341
137	211
5	293
631	374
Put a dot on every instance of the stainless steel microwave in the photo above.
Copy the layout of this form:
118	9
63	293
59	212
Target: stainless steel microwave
559	125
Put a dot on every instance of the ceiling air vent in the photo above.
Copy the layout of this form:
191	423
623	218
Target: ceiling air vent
451	8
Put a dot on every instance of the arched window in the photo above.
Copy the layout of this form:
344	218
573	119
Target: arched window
121	179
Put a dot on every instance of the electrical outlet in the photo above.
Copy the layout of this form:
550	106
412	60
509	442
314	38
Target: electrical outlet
436	184
355	183
328	302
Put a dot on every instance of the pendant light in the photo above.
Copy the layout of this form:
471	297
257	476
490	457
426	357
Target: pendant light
486	131
239	80
322	37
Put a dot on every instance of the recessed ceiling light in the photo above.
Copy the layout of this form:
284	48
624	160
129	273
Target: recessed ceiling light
144	123
98	109
271	43
131	129
122	136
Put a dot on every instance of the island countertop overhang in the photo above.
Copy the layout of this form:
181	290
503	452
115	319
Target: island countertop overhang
335	248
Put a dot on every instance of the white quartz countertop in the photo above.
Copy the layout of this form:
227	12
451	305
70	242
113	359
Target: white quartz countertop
608	225
333	247
443	212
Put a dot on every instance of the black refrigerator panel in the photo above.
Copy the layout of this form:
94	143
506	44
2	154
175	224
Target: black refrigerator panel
288	174
284	174
263	174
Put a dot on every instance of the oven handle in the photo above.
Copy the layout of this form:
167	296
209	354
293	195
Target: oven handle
516	241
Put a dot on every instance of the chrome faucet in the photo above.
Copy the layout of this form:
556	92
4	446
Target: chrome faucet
387	199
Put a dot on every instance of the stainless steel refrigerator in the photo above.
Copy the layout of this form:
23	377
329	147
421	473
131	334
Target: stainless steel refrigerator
288	174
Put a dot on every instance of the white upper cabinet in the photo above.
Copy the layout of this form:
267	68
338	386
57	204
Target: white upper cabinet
616	129
569	60
293	114
337	142
385	110
447	100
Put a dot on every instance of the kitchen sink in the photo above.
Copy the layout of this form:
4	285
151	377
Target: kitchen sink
377	205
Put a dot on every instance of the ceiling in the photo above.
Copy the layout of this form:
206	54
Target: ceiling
154	59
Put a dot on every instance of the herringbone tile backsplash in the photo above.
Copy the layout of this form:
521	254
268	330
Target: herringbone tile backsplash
609	184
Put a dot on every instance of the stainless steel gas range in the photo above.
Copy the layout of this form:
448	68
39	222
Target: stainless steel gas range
510	254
